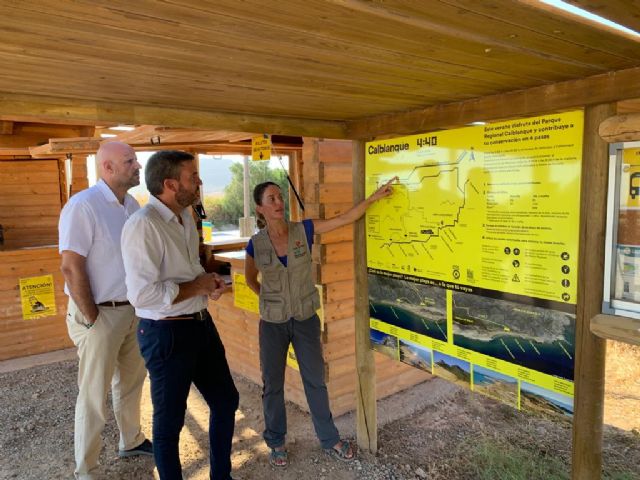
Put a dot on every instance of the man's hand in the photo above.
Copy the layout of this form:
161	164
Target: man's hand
73	269
210	284
220	288
206	283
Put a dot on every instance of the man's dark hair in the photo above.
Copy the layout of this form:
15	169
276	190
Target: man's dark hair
162	165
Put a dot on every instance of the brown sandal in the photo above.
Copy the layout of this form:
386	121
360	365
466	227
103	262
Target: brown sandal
278	458
342	453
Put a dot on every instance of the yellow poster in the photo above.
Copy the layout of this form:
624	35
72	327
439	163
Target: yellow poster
243	296
37	295
474	256
261	147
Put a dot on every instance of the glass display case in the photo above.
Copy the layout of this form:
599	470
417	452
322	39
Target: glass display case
622	254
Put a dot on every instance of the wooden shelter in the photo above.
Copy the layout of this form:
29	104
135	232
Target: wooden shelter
323	69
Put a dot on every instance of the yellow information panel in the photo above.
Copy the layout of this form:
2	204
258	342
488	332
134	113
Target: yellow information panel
245	298
38	298
473	259
630	178
261	147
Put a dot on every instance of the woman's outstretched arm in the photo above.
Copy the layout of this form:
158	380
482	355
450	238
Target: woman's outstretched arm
354	213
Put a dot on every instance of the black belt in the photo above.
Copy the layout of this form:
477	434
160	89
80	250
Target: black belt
111	303
201	315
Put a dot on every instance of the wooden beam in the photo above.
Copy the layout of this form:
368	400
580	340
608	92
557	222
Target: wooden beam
13	152
621	128
366	421
59	146
597	89
44	109
590	350
6	127
616	327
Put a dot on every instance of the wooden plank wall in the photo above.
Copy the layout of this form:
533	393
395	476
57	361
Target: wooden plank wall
327	192
30	202
79	180
20	337
33	192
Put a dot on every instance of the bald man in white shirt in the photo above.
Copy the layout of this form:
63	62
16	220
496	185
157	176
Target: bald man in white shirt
100	320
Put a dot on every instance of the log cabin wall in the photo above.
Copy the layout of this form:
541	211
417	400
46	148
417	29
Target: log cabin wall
79	180
32	194
31	200
327	177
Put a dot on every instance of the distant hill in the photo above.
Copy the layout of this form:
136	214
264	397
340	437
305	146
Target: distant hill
214	173
455	370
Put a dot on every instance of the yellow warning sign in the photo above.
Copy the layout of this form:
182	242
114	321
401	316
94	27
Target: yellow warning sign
37	296
261	147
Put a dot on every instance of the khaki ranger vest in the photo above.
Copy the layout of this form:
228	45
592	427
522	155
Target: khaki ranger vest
285	292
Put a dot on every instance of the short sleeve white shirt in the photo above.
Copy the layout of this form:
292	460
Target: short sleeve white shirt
91	225
159	253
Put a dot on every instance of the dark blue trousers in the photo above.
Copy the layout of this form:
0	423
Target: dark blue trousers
176	354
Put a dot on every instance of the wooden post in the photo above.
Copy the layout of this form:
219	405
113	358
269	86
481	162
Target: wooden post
367	421
590	350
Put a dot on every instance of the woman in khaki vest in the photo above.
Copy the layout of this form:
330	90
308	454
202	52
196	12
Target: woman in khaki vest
281	252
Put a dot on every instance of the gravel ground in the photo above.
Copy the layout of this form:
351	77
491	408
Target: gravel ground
426	432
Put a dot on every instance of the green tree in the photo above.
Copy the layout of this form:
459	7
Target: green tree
227	210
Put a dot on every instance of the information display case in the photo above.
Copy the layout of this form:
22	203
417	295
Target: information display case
620	317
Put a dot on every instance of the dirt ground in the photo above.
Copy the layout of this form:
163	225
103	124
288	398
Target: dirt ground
430	431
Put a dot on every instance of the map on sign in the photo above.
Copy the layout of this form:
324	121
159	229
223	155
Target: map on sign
429	215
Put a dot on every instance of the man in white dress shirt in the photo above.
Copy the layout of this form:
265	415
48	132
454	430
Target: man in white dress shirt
101	322
178	340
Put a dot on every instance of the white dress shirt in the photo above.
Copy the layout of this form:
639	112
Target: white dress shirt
91	225
159	253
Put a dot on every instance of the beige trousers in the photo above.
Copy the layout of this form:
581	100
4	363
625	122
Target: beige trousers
108	354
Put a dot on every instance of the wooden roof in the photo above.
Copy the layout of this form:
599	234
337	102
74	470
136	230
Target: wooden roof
294	66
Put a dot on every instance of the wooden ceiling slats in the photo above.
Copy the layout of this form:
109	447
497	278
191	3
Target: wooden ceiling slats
200	37
599	89
276	56
377	38
462	21
308	59
221	79
558	27
412	24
